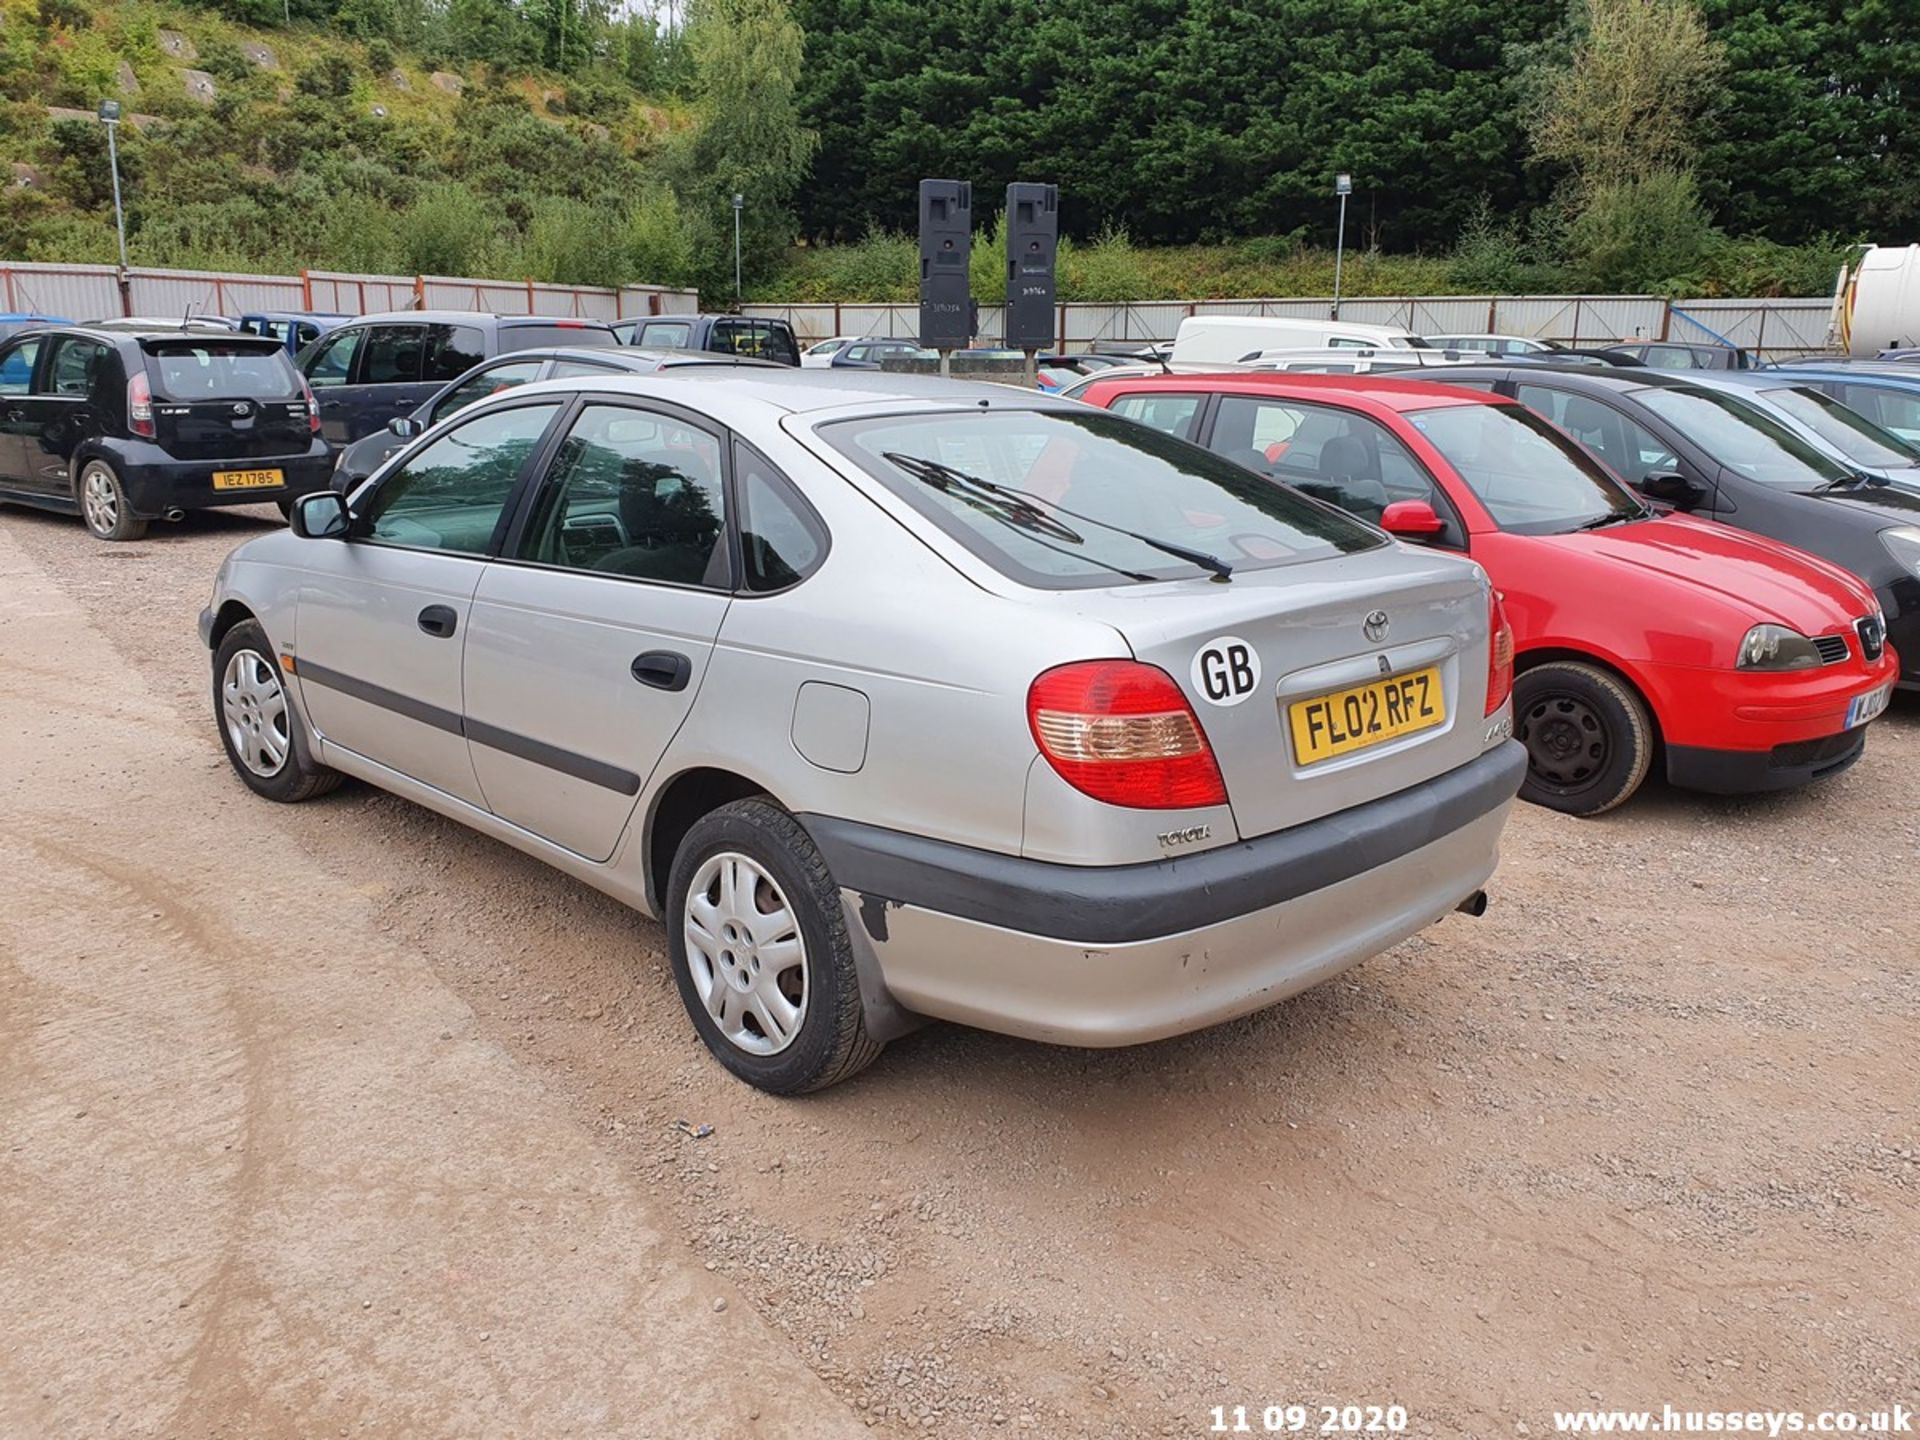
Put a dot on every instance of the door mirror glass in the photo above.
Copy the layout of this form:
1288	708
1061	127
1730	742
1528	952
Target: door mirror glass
1670	487
403	426
1414	520
321	516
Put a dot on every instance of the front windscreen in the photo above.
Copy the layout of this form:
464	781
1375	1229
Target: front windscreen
1068	499
1742	438
1530	477
212	370
1848	431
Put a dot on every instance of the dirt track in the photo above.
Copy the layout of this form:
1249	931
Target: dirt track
1646	1133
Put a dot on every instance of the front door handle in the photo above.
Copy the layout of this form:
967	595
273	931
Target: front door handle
439	620
663	669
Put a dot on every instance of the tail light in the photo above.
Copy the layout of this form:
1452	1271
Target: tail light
313	407
140	406
1124	733
1499	653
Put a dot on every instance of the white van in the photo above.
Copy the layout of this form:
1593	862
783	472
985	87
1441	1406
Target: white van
1213	339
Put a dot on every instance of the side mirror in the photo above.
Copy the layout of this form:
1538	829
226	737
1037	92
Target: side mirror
1413	520
1670	487
320	516
404	426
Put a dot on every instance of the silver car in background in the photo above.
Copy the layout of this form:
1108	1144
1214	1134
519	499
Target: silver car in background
892	698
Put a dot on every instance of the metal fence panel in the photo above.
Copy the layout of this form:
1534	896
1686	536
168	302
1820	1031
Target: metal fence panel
348	294
1772	327
73	292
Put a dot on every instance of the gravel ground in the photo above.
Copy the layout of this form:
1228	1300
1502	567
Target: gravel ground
1645	1133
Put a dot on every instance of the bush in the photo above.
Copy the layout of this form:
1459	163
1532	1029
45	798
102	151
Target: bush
380	58
443	231
660	247
570	242
330	77
223	60
1640	236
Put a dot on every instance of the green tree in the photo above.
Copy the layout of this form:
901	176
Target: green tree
750	139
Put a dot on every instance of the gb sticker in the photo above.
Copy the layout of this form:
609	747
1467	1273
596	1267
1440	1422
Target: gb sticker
1226	671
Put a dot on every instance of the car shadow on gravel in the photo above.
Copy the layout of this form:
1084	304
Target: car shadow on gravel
242	523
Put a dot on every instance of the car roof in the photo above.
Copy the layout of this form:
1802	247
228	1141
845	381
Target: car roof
788	390
1573	377
297	315
470	317
1866	372
133	332
1384	391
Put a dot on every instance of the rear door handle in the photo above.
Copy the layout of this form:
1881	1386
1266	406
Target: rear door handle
663	669
439	620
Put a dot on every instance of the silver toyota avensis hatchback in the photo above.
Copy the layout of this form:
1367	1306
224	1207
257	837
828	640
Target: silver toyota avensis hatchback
893	698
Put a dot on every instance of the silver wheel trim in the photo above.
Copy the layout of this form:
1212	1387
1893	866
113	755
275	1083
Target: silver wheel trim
254	709
746	954
99	498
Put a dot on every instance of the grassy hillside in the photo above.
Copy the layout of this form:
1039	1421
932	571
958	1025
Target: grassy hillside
277	149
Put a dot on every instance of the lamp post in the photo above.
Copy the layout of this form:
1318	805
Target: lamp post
110	117
1343	187
738	201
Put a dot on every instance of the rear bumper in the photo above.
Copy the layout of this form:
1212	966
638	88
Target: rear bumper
1116	955
156	482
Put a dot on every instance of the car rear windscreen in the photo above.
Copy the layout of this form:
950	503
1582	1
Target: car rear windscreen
528	337
219	370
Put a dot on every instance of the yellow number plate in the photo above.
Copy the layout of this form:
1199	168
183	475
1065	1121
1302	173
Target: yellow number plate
248	479
1349	720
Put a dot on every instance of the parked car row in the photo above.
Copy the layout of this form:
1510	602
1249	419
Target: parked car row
627	622
1647	627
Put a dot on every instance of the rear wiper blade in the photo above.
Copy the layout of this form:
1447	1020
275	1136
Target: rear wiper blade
944	476
1015	514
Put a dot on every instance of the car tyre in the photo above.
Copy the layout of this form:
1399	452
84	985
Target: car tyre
103	503
1588	737
748	883
259	728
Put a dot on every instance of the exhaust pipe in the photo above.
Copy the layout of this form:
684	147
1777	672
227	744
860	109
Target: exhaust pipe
1474	905
173	513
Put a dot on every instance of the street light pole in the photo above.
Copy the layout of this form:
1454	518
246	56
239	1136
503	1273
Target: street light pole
109	113
738	201
1343	187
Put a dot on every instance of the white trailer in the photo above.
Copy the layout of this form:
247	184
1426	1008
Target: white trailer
1876	305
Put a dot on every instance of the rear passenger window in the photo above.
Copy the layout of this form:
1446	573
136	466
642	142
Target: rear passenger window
781	346
781	540
450	496
1171	413
76	368
452	350
395	355
636	493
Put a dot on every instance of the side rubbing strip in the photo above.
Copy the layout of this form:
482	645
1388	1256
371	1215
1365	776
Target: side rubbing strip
379	695
581	767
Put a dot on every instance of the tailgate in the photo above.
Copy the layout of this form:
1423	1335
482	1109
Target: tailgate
1310	703
219	399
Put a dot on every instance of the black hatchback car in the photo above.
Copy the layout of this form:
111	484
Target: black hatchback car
1704	450
379	366
123	427
503	372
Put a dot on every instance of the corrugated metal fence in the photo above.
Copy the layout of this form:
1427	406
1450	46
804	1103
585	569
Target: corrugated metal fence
1772	327
91	292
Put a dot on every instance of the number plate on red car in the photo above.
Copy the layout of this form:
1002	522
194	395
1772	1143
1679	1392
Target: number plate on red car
1866	707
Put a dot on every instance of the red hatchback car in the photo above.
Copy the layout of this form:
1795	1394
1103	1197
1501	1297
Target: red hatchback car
1737	663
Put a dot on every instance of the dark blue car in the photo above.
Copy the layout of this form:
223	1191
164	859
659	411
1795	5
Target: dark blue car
295	329
379	366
